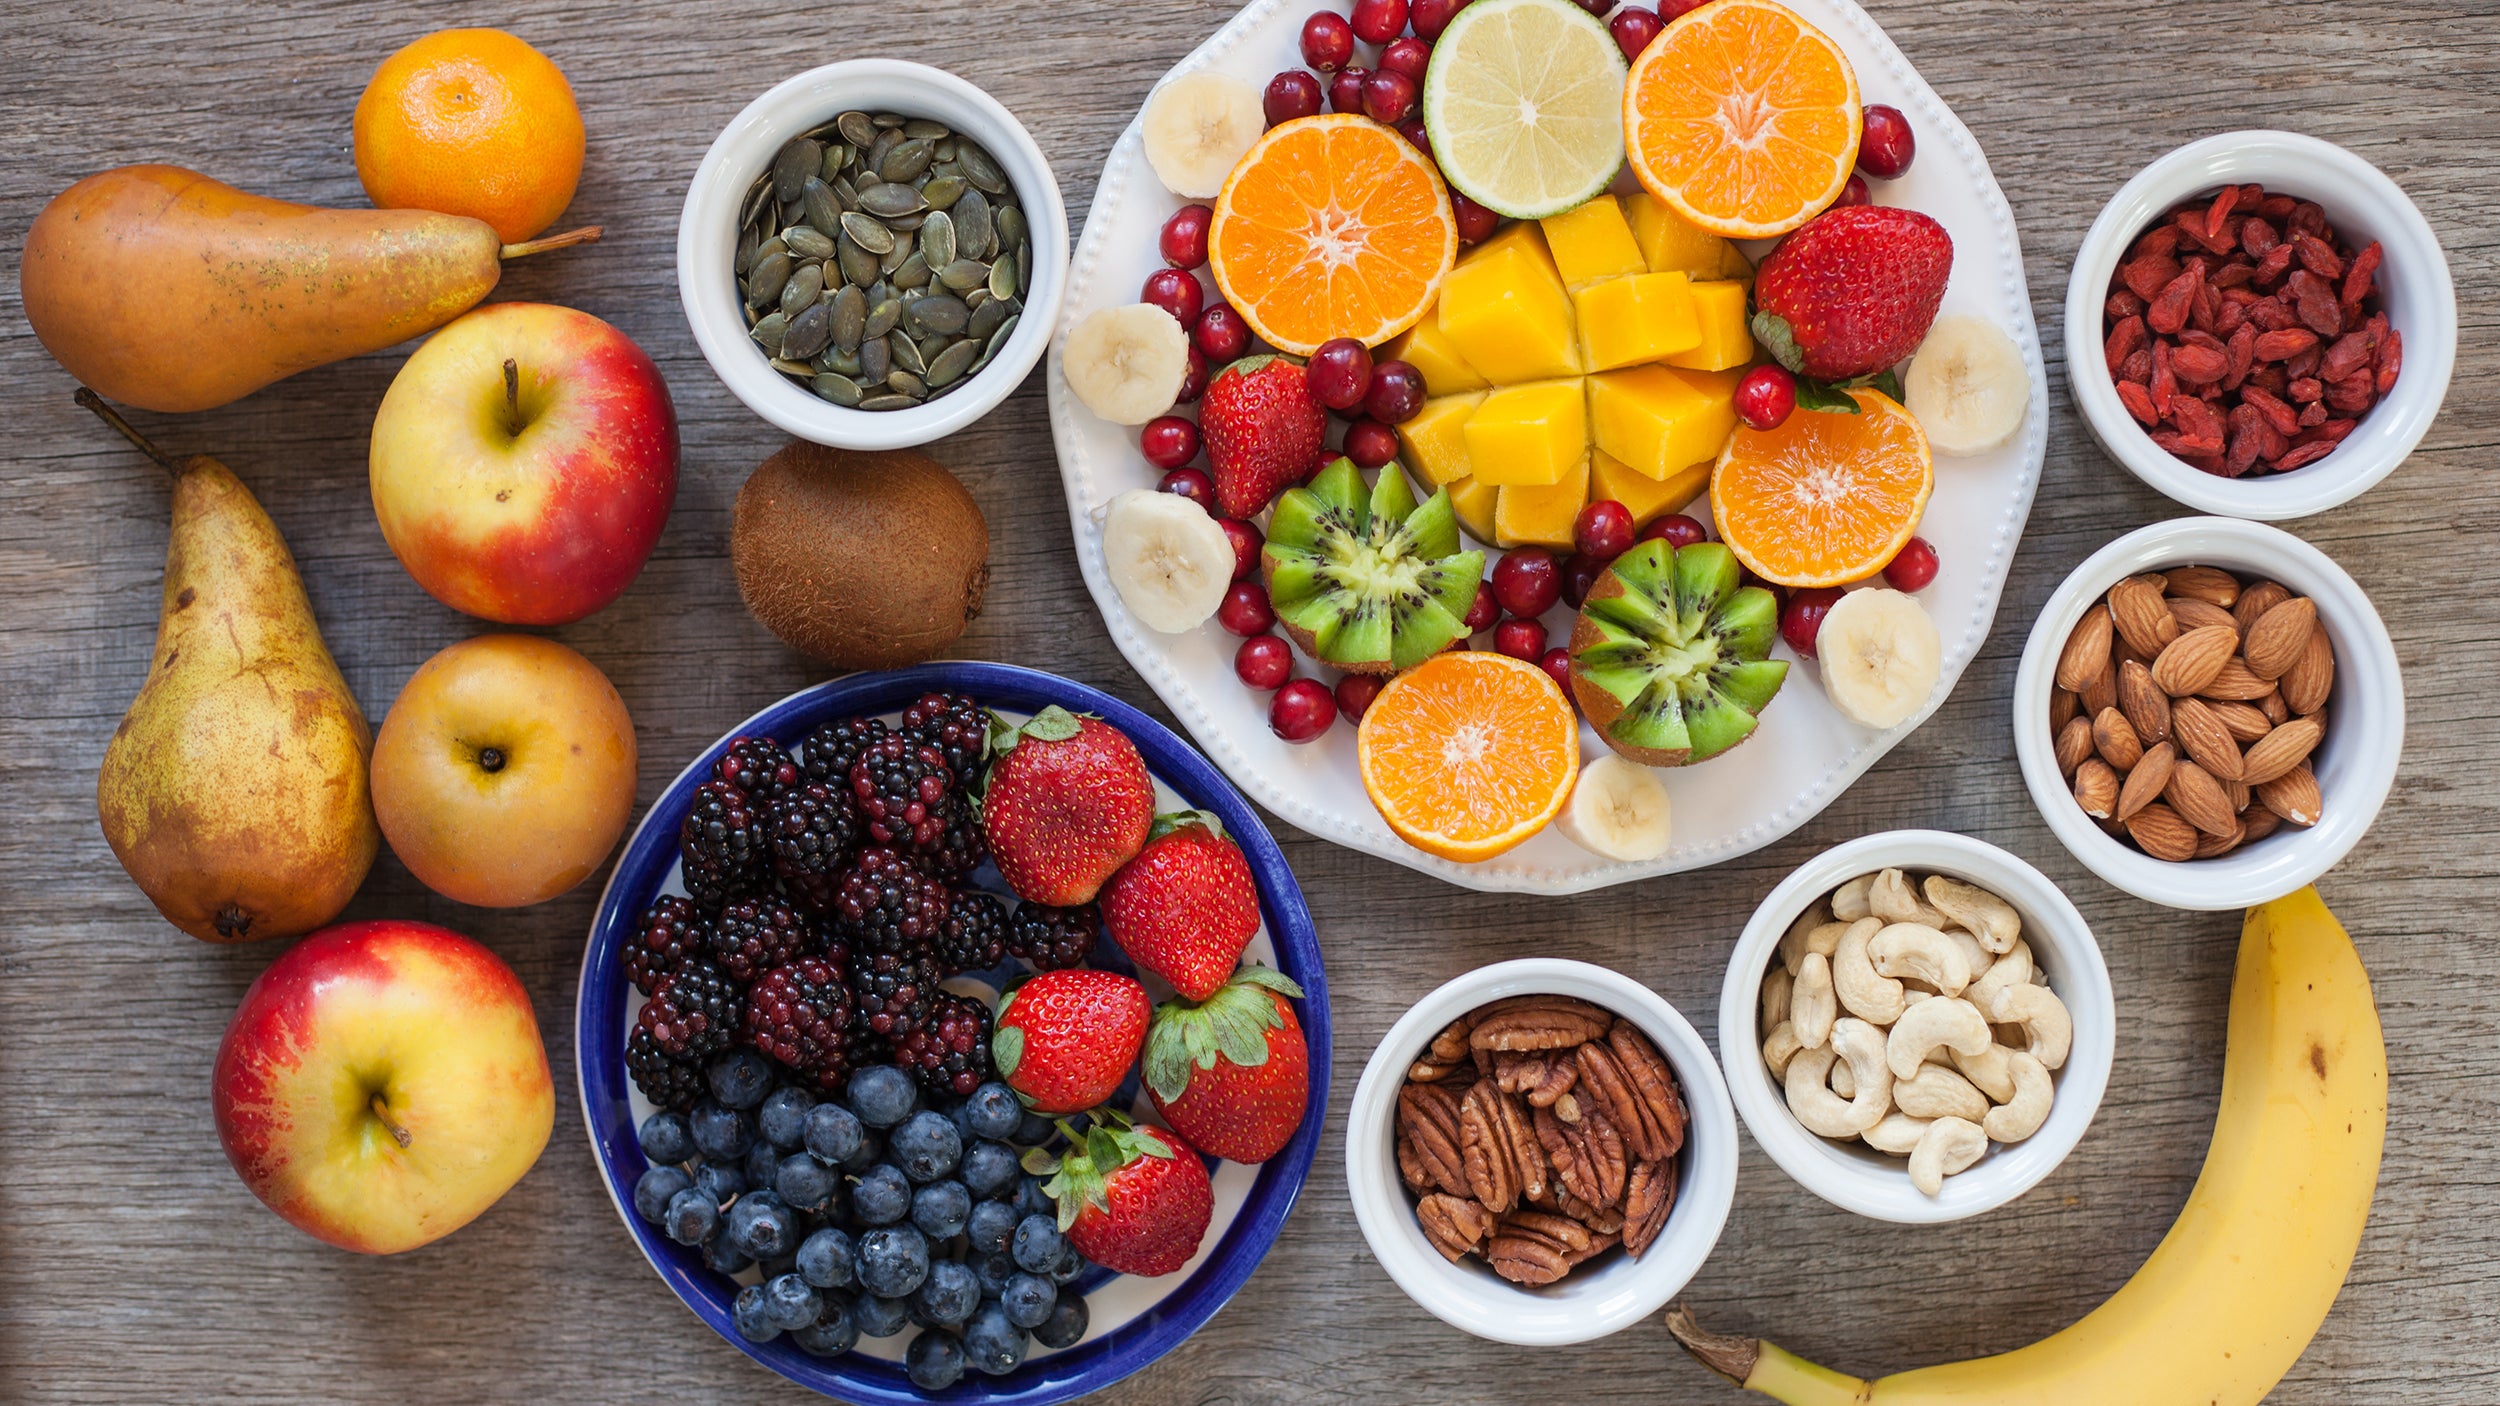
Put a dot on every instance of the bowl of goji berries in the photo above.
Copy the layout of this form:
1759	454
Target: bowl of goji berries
2260	325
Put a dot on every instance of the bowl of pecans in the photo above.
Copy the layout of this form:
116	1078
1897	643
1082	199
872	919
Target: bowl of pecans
2209	713
1541	1152
2260	324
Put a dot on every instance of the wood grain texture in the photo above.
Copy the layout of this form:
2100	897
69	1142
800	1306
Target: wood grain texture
137	1267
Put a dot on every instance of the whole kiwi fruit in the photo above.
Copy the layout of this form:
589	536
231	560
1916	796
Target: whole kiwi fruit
864	560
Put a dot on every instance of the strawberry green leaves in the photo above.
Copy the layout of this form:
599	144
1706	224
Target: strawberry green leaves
1231	1025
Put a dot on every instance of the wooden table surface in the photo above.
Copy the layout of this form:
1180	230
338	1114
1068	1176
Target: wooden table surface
134	1266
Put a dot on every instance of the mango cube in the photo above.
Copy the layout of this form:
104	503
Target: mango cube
1668	241
1658	420
1435	440
1423	347
1503	310
1529	434
1542	515
1475	504
1592	241
1636	318
1724	341
1648	499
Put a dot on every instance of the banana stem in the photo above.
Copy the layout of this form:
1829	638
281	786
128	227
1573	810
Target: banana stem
566	240
113	417
1766	1367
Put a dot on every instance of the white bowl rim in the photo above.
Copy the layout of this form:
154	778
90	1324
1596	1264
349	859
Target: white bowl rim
1474	1301
2332	175
1870	1183
708	293
2366	721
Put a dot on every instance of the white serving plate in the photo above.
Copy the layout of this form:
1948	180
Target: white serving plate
1733	804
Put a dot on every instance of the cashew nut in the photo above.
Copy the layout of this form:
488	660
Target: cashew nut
2022	1115
1779	1048
1988	1070
1916	950
1849	900
1948	1021
1896	1133
1990	917
1978	958
1811	1004
1844	1083
2011	969
2039	977
1936	1092
1775	991
2048	1030
1861	1049
1818	1109
1893	900
1825	938
1793	942
1947	1146
1869	995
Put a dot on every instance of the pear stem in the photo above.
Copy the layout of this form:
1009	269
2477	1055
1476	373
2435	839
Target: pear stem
113	417
382	1114
566	240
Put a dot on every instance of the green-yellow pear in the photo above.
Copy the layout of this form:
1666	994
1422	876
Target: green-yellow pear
235	790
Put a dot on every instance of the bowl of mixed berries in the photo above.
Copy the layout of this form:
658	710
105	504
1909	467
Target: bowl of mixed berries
948	1030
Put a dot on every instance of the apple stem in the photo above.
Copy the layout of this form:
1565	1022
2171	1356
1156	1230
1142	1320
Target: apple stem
113	417
570	237
382	1114
512	392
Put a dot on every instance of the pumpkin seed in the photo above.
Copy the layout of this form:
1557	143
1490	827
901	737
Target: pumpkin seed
764	284
798	370
1005	330
767	332
936	315
802	288
876	359
975	226
985	318
882	315
797	160
937	240
823	207
1010	224
1003	277
807	242
913	273
964	274
838	361
943	191
856	128
867	234
906	352
905	160
894	258
948	366
925	130
905	383
839	389
1024	267
887	119
886	200
886	142
808	333
888	401
748	247
850	317
837	156
982	171
858	265
753	205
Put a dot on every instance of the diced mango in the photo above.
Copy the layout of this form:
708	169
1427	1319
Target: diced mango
1423	347
1640	317
1719	308
1475	504
1592	241
1542	515
1647	498
1529	434
1657	420
1435	439
1504	311
1668	241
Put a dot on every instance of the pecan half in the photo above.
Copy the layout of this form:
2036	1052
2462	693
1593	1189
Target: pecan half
1542	1076
1653	1081
1428	1123
1562	1232
1454	1224
1537	1023
1601	1220
1606	1157
1598	1245
1646	1202
1450	1046
1603	1079
1526	1259
1503	1161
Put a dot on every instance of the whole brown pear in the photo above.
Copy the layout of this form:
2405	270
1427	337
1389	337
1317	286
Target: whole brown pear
234	790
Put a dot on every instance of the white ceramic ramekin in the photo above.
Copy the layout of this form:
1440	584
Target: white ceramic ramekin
2355	763
707	240
2363	205
1852	1175
1605	1294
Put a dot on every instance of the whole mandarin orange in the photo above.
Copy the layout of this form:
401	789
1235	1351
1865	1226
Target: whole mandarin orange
471	122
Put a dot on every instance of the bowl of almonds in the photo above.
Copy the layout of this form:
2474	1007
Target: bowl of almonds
2209	713
1541	1152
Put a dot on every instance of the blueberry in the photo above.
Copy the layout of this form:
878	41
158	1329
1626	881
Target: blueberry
833	1333
741	1078
1032	1130
1070	1265
934	1361
691	1218
882	1197
721	1134
805	1182
721	1257
763	1162
893	1259
990	1169
1028	1299
927	1146
665	1138
949	1294
871	1152
832	1132
761	1226
791	1302
992	1344
655	1188
994	1271
828	1259
992	1111
776	1267
990	1226
1065	1326
1038	1243
879	1318
883	1095
940	1209
753	1316
722	1181
783	1118
1031	1200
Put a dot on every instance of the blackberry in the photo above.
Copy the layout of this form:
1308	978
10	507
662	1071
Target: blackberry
831	749
958	727
758	766
724	842
960	846
670	1081
800	1014
672	931
975	936
950	1052
886	904
692	1011
902	784
891	991
1054	939
753	935
813	827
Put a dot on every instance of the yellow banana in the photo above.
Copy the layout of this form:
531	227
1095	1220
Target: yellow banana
2234	1292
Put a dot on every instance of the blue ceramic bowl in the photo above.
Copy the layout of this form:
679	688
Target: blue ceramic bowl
606	1090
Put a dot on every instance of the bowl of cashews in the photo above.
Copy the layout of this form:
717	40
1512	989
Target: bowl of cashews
1917	1026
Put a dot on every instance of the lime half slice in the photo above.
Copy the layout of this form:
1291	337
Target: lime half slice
1524	104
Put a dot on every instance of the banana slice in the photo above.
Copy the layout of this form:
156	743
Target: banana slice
1197	126
1617	810
1170	561
1126	363
1880	657
1967	386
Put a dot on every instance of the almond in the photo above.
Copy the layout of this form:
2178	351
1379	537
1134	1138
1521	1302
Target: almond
2246	722
2279	638
2216	846
2096	788
2238	794
2142	616
2293	795
2191	661
2102	692
2281	750
2203	737
2063	704
2074	743
2198	798
2235	681
2114	738
2197	614
2206	583
2086	656
2257	822
2159	832
2147	707
2146	781
2255	601
2306	683
2274	710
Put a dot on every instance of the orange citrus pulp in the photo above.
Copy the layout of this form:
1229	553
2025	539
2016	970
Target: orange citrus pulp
1469	753
1825	498
1743	118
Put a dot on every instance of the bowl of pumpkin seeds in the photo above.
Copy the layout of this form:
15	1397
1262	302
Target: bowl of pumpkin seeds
872	254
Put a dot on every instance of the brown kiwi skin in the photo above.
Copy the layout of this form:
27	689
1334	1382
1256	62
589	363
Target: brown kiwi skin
863	560
1600	707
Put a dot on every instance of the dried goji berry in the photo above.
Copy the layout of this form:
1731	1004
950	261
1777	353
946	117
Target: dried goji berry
2146	275
2391	360
2300	455
2199	365
2284	418
2227	200
2277	208
2139	403
2232	275
2354	393
2257	237
2285	343
2124	339
2138	367
2122	304
2314	413
2239	454
2169	310
2163	384
2273	265
2317	256
2350	353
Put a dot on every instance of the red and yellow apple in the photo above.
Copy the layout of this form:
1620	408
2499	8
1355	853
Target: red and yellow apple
382	1084
504	773
524	462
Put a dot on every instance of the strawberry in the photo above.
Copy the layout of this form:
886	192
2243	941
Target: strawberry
1262	431
1232	1073
1850	293
1068	803
1184	907
1136	1200
1065	1039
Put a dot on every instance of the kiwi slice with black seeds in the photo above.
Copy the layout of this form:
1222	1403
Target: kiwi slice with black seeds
1670	654
1367	579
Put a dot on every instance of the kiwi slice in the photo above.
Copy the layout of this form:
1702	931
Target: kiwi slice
1670	655
1368	579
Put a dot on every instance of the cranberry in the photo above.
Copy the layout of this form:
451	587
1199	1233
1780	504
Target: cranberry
1247	540
1597	7
1397	392
1370	443
1527	582
1345	90
1429	17
1415	132
1483	611
1355	693
1633	28
1766	396
1388	97
1303	710
1291	94
1245	610
1194	379
1802	619
1222	333
1169	441
1263	662
1885	150
1379	21
1578	574
1192	484
1407	56
1677	531
1913	567
1603	530
1339	373
1185	236
1475	223
1461	645
1853	192
1557	663
1520	639
1177	292
1327	41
